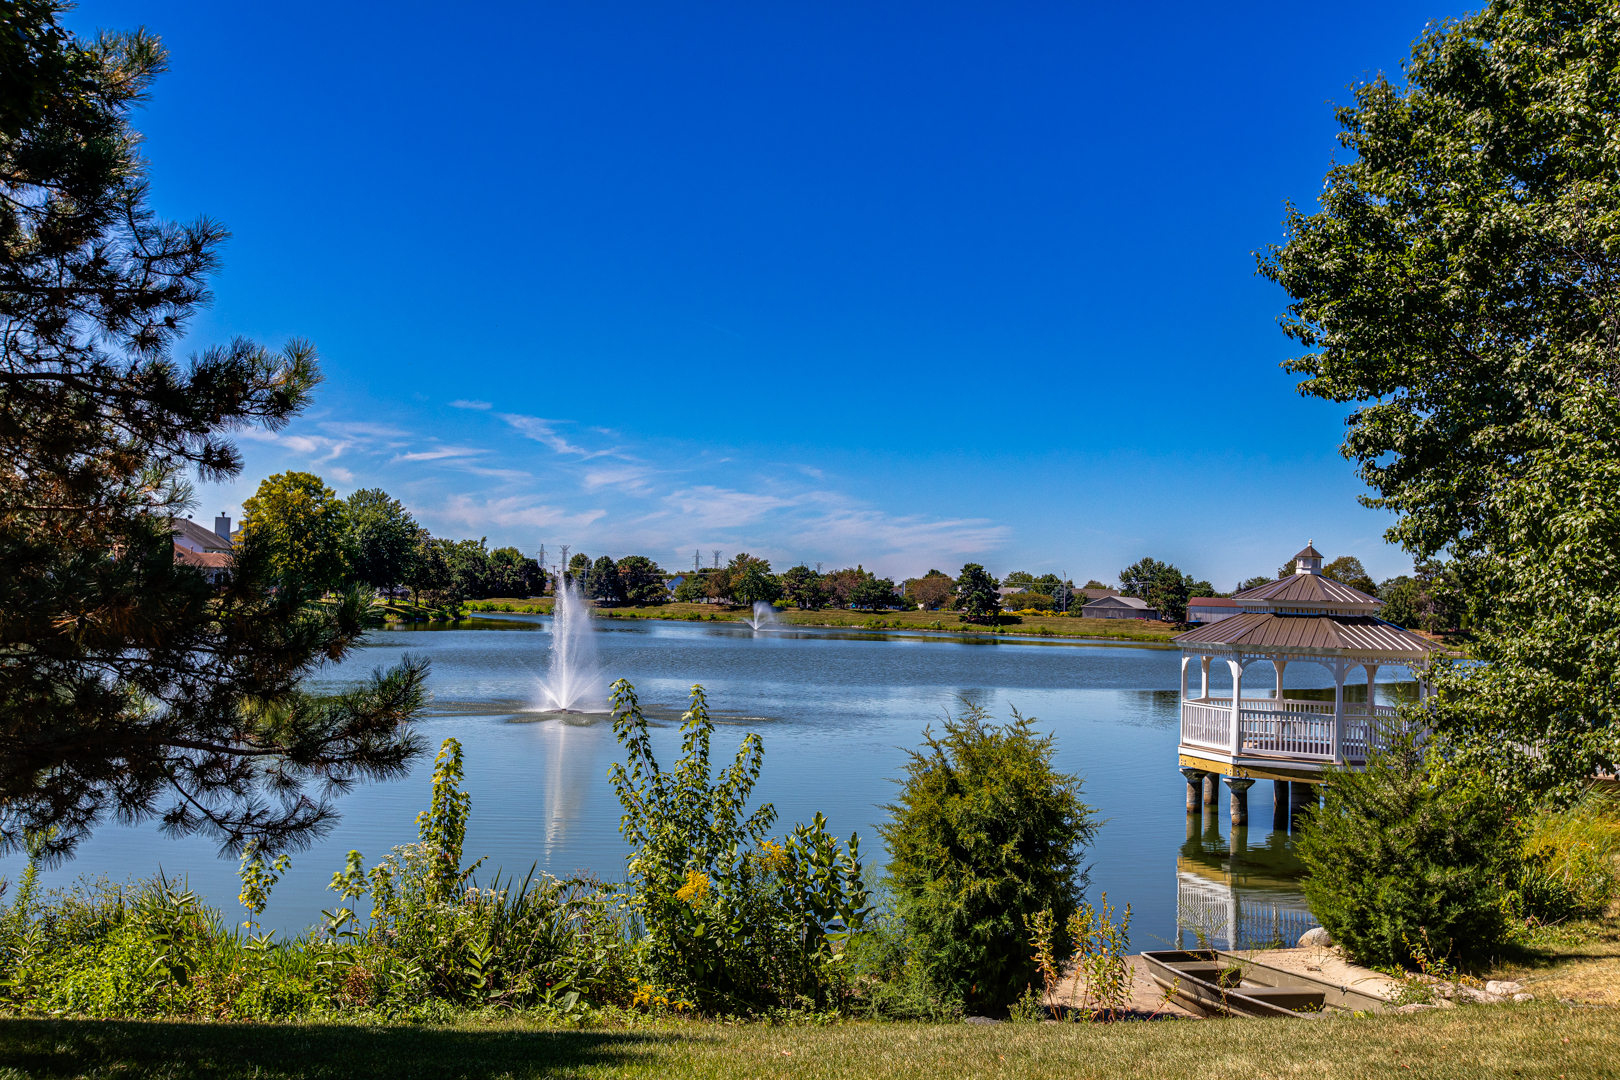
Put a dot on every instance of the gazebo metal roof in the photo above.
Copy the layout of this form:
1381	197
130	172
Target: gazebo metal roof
1318	635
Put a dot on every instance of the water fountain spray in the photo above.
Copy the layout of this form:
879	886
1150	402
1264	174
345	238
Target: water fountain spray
574	683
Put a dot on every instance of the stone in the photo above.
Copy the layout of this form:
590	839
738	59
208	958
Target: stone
981	1020
1315	938
1503	987
1522	998
1416	1006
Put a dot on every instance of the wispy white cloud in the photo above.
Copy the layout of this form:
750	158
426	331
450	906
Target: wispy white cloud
464	403
544	431
438	453
629	478
491	516
317	448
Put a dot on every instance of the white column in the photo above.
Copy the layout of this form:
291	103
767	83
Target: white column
1339	670
1237	705
1204	665
1372	673
1281	666
1185	660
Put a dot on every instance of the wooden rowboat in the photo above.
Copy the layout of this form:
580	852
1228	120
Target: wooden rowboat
1216	983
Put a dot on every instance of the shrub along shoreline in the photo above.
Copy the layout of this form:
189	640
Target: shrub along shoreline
1054	626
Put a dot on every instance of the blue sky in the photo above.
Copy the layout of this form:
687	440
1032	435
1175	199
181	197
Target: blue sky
904	285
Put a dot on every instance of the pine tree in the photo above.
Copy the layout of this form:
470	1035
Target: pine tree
132	686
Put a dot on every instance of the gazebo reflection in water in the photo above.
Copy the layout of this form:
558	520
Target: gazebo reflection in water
1230	895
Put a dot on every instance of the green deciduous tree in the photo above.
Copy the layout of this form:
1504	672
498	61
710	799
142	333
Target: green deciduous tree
513	573
131	686
874	594
428	573
803	588
303	527
1458	283
604	585
976	594
985	833
752	581
382	538
643	581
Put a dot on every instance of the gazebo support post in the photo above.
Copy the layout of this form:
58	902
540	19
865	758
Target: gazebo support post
1237	706
1338	712
1212	791
1195	778
1203	664
1301	796
1240	786
1280	666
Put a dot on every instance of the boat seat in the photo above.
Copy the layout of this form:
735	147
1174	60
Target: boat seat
1293	998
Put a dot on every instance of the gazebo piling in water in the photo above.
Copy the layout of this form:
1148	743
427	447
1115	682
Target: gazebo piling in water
1307	618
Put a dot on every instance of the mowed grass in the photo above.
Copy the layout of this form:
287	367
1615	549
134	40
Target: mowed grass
1495	1041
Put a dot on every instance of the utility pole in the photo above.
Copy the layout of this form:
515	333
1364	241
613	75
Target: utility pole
697	560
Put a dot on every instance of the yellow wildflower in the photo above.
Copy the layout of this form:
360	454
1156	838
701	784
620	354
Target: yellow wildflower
696	889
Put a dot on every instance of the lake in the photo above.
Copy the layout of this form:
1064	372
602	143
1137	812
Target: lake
837	710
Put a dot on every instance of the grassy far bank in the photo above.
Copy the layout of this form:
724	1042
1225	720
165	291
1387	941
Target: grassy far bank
1031	625
1523	1041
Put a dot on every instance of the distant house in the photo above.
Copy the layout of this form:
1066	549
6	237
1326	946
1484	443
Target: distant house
193	537
1119	607
1097	594
209	552
1208	609
215	565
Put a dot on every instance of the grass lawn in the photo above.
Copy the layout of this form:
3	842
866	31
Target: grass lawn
1579	962
1496	1041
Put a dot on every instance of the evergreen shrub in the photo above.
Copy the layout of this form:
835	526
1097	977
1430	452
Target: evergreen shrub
985	832
1407	852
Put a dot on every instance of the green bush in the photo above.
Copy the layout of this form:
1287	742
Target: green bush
1405	852
1570	860
741	922
985	833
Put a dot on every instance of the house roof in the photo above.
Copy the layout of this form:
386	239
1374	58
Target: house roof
1212	601
1121	601
1097	594
1267	630
204	560
1307	589
206	539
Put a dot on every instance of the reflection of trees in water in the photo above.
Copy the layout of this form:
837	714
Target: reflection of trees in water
1236	894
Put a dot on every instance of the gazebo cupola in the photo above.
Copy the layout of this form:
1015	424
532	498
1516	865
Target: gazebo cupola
1303	617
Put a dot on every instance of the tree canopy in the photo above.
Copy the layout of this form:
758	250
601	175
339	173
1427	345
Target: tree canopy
303	528
382	538
976	594
1457	283
133	687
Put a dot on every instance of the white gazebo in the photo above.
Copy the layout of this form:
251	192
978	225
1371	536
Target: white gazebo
1301	618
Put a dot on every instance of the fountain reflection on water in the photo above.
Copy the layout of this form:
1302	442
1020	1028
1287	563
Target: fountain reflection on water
574	684
764	617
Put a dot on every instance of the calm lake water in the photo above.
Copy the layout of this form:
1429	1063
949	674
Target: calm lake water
837	710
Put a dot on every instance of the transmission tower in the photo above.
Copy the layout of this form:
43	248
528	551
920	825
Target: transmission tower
717	558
